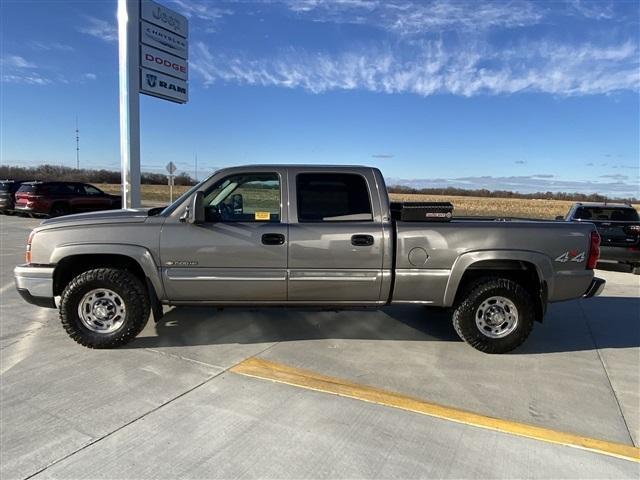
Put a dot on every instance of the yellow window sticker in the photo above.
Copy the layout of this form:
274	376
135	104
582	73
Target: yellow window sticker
262	216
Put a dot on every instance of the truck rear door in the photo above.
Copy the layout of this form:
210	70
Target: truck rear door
336	238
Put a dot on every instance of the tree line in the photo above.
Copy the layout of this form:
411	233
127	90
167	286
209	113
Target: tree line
68	174
482	192
47	173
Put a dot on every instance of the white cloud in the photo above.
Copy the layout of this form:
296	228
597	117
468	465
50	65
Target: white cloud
53	46
96	27
202	10
89	76
406	17
27	79
596	10
16	61
16	69
430	67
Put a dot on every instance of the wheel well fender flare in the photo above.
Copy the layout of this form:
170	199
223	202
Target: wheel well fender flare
139	254
541	262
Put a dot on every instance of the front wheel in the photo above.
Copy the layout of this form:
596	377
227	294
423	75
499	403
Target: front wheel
495	315
104	308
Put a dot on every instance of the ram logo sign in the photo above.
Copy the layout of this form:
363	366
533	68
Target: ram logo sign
163	86
151	80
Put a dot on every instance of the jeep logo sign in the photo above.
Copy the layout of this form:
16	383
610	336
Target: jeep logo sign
163	62
163	86
164	17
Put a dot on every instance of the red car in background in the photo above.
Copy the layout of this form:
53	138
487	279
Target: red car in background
62	198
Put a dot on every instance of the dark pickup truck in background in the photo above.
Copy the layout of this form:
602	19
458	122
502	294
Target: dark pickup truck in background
8	189
619	227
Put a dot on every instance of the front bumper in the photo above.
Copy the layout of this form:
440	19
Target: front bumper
596	287
35	284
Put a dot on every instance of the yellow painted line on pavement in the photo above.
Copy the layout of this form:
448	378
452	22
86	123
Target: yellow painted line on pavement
266	370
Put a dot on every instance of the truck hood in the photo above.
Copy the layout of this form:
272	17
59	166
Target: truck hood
134	215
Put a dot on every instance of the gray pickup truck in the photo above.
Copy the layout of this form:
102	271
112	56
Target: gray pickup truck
291	235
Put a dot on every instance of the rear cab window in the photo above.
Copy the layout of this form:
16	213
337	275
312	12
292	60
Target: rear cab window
333	197
613	214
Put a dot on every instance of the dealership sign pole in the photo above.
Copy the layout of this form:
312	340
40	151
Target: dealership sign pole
152	60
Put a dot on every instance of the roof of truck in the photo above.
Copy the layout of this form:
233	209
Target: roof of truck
604	204
294	165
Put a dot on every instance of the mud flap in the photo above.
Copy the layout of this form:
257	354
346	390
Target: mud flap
156	306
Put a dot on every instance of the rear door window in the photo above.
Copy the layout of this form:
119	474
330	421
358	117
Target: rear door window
333	197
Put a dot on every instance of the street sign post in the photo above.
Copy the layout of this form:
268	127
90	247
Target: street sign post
171	168
152	58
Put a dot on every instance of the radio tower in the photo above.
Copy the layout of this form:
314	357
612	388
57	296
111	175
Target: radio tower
77	145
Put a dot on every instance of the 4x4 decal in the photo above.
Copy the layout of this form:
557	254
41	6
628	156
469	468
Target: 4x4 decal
572	256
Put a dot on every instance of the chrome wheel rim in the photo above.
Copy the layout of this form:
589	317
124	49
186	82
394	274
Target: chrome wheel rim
102	310
496	317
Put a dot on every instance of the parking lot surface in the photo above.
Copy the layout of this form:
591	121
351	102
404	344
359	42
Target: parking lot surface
169	406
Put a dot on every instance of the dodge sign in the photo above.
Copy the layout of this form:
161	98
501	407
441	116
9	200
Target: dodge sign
163	62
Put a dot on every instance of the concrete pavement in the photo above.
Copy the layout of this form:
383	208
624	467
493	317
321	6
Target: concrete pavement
165	406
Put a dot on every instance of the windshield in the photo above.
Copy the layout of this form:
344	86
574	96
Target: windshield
615	214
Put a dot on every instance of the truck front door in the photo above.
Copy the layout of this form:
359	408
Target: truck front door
239	255
335	239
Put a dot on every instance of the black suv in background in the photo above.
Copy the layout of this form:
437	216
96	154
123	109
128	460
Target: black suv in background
8	189
619	228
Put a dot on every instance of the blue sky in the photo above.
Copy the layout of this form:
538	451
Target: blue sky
512	95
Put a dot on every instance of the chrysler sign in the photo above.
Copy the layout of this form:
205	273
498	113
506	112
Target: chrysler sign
163	62
160	38
163	86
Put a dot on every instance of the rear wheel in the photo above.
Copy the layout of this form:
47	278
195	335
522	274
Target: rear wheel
59	210
104	308
495	315
635	269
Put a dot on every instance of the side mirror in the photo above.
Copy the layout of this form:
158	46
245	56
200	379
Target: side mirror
559	217
195	211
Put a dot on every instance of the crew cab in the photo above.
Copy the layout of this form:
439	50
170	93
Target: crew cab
289	235
619	228
56	199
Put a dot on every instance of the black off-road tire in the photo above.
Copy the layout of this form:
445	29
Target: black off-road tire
59	210
464	320
126	285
